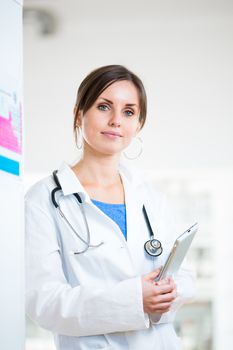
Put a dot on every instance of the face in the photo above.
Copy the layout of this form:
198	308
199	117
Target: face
112	122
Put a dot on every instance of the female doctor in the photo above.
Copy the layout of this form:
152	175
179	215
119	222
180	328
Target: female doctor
90	275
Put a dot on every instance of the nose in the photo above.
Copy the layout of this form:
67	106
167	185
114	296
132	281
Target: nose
115	119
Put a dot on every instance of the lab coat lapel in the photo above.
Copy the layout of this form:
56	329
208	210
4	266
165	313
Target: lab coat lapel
133	203
137	230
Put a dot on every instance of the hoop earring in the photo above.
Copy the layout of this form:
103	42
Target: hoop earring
79	138
140	149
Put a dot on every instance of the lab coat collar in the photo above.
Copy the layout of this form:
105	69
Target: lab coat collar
70	183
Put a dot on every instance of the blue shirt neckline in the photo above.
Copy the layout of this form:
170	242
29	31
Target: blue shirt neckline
116	212
105	203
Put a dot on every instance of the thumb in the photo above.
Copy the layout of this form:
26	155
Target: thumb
152	275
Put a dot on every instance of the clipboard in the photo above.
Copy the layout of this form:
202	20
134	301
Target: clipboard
178	252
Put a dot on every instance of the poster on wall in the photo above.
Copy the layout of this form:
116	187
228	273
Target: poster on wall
10	126
11	89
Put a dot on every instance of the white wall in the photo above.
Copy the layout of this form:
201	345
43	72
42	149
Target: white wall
12	317
11	196
182	50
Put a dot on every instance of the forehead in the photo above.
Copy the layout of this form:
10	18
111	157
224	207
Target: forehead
123	91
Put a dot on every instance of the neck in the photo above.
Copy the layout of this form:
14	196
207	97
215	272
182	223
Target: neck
97	169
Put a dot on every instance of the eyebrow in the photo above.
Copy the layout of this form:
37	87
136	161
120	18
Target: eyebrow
110	102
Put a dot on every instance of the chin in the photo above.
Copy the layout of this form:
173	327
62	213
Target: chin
106	149
110	151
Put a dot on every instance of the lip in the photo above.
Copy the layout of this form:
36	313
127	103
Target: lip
111	133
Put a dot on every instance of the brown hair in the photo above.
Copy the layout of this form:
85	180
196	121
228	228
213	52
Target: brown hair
99	80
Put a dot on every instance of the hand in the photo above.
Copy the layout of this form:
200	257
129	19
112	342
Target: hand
157	296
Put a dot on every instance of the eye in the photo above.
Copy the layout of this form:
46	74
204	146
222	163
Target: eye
129	113
103	107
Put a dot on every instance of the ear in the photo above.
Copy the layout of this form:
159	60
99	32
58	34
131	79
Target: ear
78	117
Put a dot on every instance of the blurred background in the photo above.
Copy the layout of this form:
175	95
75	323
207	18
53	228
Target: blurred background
183	52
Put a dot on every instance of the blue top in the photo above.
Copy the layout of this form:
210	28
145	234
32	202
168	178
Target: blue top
117	212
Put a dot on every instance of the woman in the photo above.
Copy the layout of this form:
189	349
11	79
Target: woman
89	279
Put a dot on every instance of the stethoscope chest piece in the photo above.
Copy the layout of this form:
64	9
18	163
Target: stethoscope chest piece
153	247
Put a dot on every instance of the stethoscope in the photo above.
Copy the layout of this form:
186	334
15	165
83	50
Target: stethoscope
153	246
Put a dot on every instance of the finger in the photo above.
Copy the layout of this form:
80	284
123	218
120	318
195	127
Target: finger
161	282
151	275
163	289
171	281
169	297
168	282
163	307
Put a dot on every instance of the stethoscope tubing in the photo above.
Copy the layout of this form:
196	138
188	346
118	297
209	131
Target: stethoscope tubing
86	242
153	246
80	204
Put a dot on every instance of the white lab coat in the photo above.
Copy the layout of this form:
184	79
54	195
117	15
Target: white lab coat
94	300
